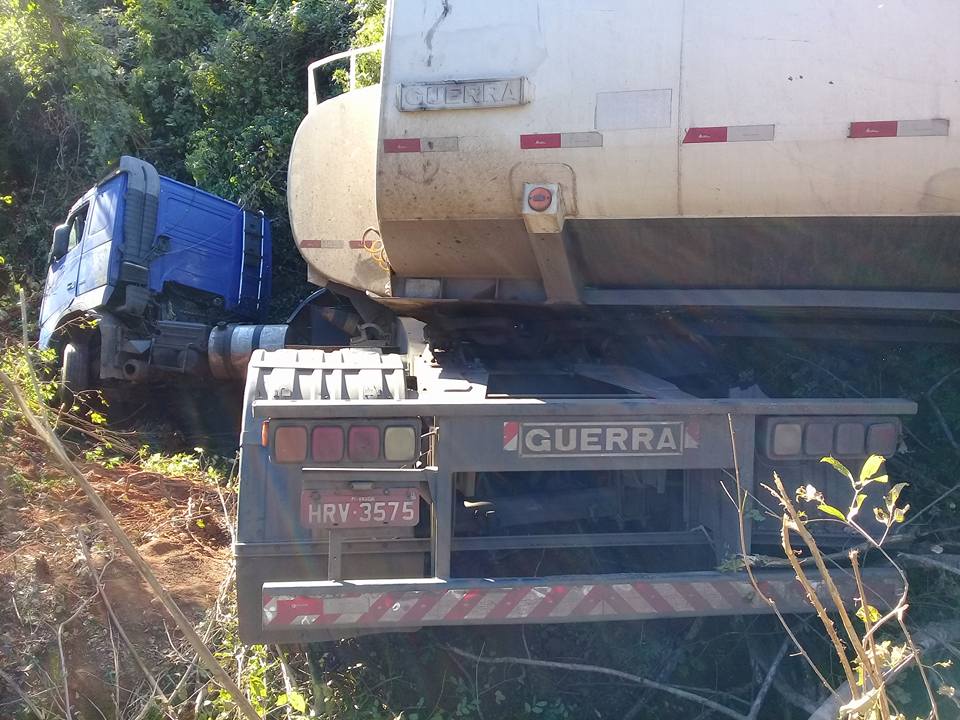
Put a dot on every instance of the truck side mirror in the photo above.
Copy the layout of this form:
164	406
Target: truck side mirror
61	240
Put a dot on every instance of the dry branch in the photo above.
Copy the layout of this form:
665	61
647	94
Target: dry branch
822	613
44	431
23	696
669	665
577	667
928	637
64	670
768	681
947	563
936	409
740	503
112	617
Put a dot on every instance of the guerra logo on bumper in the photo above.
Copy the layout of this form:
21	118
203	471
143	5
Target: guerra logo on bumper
600	439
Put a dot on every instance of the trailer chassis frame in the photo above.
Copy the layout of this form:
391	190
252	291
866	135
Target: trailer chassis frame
469	438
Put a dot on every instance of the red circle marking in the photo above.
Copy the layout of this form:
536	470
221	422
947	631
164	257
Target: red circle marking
540	199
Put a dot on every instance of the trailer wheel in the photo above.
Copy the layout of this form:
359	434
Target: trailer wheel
74	371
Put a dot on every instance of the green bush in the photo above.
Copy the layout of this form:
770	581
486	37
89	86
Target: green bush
211	93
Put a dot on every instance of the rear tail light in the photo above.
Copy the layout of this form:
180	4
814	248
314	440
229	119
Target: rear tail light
818	439
290	444
327	444
850	439
787	439
364	443
330	444
400	444
882	439
814	438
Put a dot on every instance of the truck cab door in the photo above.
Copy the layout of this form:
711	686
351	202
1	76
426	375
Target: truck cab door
62	276
98	259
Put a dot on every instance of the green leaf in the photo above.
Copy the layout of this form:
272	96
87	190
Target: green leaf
869	611
839	467
862	705
297	701
893	495
831	510
870	468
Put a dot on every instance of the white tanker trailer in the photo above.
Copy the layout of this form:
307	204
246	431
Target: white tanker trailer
543	215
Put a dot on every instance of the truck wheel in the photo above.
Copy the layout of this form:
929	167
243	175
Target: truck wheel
74	371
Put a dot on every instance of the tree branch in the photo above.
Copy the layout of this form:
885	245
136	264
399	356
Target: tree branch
767	682
23	696
112	616
928	637
939	563
46	434
577	667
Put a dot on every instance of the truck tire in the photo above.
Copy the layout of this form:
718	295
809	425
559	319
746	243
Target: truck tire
74	371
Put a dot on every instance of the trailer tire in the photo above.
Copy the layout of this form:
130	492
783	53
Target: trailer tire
74	371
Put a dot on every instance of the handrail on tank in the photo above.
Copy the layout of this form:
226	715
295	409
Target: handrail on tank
352	53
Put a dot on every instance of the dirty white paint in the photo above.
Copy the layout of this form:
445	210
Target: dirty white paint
642	72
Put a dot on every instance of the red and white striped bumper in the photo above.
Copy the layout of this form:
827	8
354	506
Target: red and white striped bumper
404	604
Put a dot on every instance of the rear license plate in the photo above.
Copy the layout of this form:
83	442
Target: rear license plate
396	507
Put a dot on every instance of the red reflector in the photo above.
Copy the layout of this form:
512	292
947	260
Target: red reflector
540	141
882	128
327	445
402	145
705	135
364	443
540	199
290	444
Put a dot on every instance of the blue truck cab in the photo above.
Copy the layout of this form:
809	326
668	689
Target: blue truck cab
142	271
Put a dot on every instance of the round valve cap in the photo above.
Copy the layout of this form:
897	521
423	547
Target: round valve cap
540	199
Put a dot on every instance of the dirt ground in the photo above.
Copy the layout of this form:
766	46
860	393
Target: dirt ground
46	588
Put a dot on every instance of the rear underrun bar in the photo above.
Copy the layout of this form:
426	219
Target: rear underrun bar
406	604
